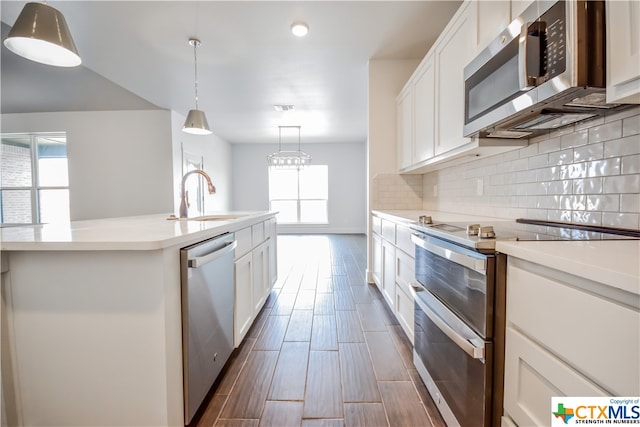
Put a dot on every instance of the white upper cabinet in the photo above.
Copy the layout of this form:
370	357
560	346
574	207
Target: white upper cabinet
493	17
424	110
405	128
623	51
519	6
416	118
456	47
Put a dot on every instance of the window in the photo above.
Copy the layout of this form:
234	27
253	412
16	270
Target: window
34	181
300	196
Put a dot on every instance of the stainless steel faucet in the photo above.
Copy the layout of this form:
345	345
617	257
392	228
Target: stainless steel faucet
184	202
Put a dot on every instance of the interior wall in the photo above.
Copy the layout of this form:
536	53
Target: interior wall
120	162
216	158
584	173
386	79
347	183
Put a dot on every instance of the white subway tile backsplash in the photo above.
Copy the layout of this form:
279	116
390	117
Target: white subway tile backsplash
603	167
547	174
587	186
549	145
605	132
622	147
575	139
631	164
587	173
631	126
592	218
588	152
630	203
622	184
538	161
561	157
602	201
623	220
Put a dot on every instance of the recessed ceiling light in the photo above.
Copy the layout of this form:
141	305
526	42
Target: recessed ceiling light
288	107
299	29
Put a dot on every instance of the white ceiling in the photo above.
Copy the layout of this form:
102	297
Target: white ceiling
248	60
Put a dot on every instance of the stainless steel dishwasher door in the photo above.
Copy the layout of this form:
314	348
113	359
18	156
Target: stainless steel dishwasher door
207	315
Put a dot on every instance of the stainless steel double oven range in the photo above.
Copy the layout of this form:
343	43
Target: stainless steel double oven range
460	310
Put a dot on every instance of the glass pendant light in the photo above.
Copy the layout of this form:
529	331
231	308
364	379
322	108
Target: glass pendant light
288	159
41	34
196	122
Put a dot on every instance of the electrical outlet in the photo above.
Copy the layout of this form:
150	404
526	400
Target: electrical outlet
479	187
435	190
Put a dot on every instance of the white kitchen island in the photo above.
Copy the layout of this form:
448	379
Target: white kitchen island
91	319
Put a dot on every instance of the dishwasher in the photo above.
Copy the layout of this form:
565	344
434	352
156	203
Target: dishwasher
207	315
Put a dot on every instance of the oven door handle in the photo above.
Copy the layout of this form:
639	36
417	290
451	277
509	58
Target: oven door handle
477	352
477	264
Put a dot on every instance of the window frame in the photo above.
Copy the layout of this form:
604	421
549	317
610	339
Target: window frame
298	199
35	187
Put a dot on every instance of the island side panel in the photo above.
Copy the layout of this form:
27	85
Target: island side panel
96	337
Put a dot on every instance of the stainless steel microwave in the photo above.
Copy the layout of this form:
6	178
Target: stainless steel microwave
545	71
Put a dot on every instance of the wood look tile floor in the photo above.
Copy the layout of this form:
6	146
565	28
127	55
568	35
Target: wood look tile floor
324	351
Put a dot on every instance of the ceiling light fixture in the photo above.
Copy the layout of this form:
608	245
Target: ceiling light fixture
284	107
299	29
41	34
288	159
196	122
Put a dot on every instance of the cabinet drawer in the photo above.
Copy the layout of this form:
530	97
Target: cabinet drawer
595	335
257	233
403	240
376	223
405	270
533	376
389	231
243	237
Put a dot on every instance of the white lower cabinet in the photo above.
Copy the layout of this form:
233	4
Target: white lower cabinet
255	276
563	338
378	265
534	376
393	269
261	276
243	300
389	273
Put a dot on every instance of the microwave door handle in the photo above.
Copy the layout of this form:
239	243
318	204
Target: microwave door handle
523	71
464	344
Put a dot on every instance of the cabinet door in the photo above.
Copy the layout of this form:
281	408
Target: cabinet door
424	111
389	273
243	297
454	51
377	261
260	276
533	376
405	128
493	17
273	252
623	51
405	311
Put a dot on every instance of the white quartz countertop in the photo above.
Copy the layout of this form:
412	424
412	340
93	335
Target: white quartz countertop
146	232
614	263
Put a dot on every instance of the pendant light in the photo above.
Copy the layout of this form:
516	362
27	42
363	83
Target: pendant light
196	122
41	34
288	159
